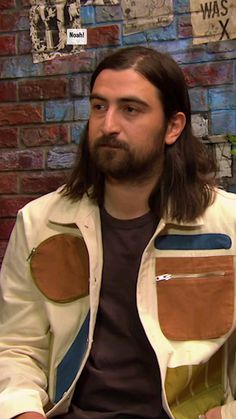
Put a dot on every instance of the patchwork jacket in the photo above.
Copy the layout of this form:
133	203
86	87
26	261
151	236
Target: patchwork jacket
50	282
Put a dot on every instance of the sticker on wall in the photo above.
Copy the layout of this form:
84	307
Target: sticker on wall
213	20
147	14
76	36
49	22
99	2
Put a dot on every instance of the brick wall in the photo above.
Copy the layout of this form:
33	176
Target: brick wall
44	106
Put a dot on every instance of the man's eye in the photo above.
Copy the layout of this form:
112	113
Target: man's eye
131	110
98	106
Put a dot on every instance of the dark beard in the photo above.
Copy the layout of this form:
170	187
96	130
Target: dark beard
115	159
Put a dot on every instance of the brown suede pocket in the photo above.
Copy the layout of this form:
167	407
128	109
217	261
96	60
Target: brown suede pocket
196	301
60	268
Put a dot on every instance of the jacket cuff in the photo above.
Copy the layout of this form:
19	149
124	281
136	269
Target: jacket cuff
20	401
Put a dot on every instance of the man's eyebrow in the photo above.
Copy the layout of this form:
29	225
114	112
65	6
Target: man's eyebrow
97	96
126	99
134	99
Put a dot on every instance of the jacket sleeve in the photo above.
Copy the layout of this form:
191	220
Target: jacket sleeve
24	332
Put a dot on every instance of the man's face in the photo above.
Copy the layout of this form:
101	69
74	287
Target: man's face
126	126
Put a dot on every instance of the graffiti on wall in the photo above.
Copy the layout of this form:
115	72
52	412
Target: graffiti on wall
213	20
49	21
148	14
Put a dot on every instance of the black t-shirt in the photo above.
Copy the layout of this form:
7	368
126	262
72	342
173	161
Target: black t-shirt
121	378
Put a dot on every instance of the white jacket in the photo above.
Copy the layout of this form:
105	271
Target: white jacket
50	282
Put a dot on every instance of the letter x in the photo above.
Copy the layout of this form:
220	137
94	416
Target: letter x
224	31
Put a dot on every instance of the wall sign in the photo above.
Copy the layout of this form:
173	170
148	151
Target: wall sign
213	20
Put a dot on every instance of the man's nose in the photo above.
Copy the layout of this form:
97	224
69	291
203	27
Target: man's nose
111	122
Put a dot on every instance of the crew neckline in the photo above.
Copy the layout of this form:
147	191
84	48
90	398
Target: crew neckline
126	223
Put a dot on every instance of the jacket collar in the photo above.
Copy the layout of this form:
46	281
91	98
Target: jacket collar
68	212
195	223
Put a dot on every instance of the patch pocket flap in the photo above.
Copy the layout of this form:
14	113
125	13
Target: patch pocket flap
60	268
195	296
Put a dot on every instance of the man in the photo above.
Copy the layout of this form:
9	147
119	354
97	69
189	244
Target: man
118	289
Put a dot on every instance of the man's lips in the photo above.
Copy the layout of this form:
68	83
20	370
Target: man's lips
111	146
112	143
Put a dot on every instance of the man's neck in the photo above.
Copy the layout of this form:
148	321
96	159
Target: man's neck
127	200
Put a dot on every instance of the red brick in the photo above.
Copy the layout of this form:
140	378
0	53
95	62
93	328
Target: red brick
6	226
20	114
24	43
43	89
209	74
8	137
80	85
22	159
42	183
8	183
8	45
7	4
8	91
10	206
185	27
84	62
14	21
44	135
103	35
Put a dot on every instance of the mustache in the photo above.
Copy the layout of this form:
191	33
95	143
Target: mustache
111	141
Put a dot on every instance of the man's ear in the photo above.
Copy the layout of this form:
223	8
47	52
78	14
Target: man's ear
175	127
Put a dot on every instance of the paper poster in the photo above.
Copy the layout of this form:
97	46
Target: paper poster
147	14
49	21
213	20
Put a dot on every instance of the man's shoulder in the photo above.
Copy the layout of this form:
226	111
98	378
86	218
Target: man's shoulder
52	213
54	205
225	198
223	207
44	201
58	207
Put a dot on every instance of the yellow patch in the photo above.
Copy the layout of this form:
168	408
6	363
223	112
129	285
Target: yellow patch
193	390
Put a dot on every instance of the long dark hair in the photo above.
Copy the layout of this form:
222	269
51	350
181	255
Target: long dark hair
186	186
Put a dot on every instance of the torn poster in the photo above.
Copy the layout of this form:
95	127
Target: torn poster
49	21
147	14
213	20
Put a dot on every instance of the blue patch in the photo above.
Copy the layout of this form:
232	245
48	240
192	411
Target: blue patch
193	242
69	366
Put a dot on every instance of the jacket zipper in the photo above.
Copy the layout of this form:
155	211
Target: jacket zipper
167	277
31	254
34	249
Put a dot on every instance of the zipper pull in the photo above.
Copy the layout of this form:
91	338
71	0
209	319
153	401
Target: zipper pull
163	277
31	254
